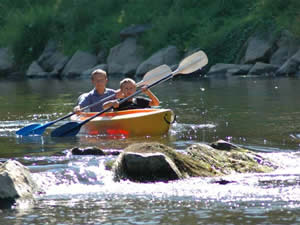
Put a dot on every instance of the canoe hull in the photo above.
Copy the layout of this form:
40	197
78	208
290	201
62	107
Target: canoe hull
128	123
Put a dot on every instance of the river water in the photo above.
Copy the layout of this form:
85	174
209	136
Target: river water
257	113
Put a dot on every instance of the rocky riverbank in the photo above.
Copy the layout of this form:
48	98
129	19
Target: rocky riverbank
263	54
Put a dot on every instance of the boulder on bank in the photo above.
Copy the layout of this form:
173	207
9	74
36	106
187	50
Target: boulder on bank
35	70
50	63
79	62
225	70
259	47
16	182
149	162
168	55
6	61
125	57
52	60
291	66
260	68
286	46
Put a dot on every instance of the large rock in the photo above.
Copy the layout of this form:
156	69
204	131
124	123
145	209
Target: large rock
146	167
263	69
6	61
144	154
52	60
16	182
230	159
287	45
225	70
79	62
157	162
259	48
291	66
125	57
168	55
35	70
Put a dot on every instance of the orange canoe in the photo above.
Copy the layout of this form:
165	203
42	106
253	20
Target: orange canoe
135	122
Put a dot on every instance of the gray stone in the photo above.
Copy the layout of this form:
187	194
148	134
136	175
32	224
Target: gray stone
79	62
291	66
145	167
263	69
168	55
16	181
259	48
125	57
287	45
52	60
35	70
225	70
6	61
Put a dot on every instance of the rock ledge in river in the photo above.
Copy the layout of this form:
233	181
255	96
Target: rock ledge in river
144	162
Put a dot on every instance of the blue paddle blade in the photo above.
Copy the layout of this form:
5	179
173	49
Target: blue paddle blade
40	130
25	131
67	130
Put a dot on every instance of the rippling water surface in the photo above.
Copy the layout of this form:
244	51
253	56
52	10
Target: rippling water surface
258	113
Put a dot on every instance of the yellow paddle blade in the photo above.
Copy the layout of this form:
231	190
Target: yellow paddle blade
192	63
154	75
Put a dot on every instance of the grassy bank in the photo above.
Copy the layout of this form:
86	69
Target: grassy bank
219	27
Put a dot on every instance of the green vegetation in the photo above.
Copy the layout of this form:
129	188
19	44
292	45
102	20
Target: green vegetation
219	27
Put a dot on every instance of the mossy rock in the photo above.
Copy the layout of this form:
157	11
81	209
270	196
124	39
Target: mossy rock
187	165
230	160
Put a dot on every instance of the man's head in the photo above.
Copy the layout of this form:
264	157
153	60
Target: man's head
99	80
128	87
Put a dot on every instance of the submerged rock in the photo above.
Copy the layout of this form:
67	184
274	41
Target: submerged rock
92	151
16	182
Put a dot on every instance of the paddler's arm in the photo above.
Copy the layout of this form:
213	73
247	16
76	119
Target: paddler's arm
154	100
113	103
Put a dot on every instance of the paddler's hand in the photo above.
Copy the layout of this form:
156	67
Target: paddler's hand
119	94
77	109
145	89
115	104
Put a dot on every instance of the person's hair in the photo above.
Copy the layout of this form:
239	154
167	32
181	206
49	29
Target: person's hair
98	71
126	80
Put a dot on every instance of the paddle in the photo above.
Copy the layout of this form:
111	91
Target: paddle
186	66
149	78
